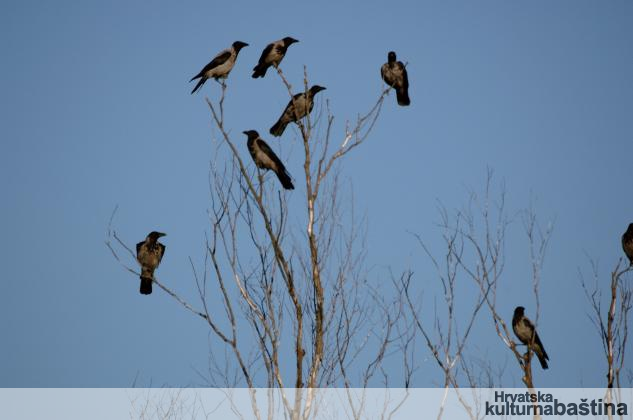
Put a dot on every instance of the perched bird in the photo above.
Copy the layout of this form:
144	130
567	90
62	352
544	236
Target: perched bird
627	243
298	107
525	331
272	56
394	73
265	158
148	254
220	66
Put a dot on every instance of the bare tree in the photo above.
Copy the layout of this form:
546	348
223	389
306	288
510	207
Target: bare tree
474	239
273	277
612	326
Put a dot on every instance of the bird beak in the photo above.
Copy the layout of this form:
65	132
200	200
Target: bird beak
245	132
162	234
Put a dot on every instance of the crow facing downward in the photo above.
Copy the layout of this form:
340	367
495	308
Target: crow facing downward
525	331
272	56
149	253
265	158
395	75
627	243
220	66
298	107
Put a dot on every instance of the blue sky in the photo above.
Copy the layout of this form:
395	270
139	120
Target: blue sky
96	112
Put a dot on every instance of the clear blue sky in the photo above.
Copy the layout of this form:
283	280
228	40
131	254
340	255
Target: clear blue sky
95	111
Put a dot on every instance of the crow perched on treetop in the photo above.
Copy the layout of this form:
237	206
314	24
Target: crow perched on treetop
265	158
149	253
272	56
298	107
220	66
394	74
627	243
525	331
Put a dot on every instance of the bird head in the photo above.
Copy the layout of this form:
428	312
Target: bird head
316	89
252	134
155	235
289	40
630	229
519	311
391	57
238	45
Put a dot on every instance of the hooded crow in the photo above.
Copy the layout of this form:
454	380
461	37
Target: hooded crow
265	158
220	66
394	73
272	56
627	243
298	107
149	253
525	331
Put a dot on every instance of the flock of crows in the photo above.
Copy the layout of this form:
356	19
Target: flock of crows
149	252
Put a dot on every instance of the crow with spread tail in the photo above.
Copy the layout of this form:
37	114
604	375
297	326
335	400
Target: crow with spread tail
220	66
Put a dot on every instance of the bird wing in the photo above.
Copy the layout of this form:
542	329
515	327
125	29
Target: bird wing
405	77
265	148
162	251
138	247
217	61
267	50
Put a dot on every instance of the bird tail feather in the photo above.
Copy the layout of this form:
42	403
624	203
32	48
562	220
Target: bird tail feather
403	97
200	83
278	129
259	71
285	179
146	285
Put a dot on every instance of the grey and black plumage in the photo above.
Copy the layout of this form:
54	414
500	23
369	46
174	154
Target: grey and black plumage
265	158
627	243
394	73
272	56
220	66
525	331
298	107
149	253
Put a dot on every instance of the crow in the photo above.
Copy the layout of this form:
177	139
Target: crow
265	158
296	109
627	243
394	73
272	56
525	331
220	66
149	253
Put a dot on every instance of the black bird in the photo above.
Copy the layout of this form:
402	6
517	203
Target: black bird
148	254
394	73
296	109
525	331
272	56
265	158
220	66
627	243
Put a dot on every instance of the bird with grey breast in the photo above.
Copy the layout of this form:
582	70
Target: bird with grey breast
149	253
220	66
299	106
265	158
272	56
526	332
627	243
394	73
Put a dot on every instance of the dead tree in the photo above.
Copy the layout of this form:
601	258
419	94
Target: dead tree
286	293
